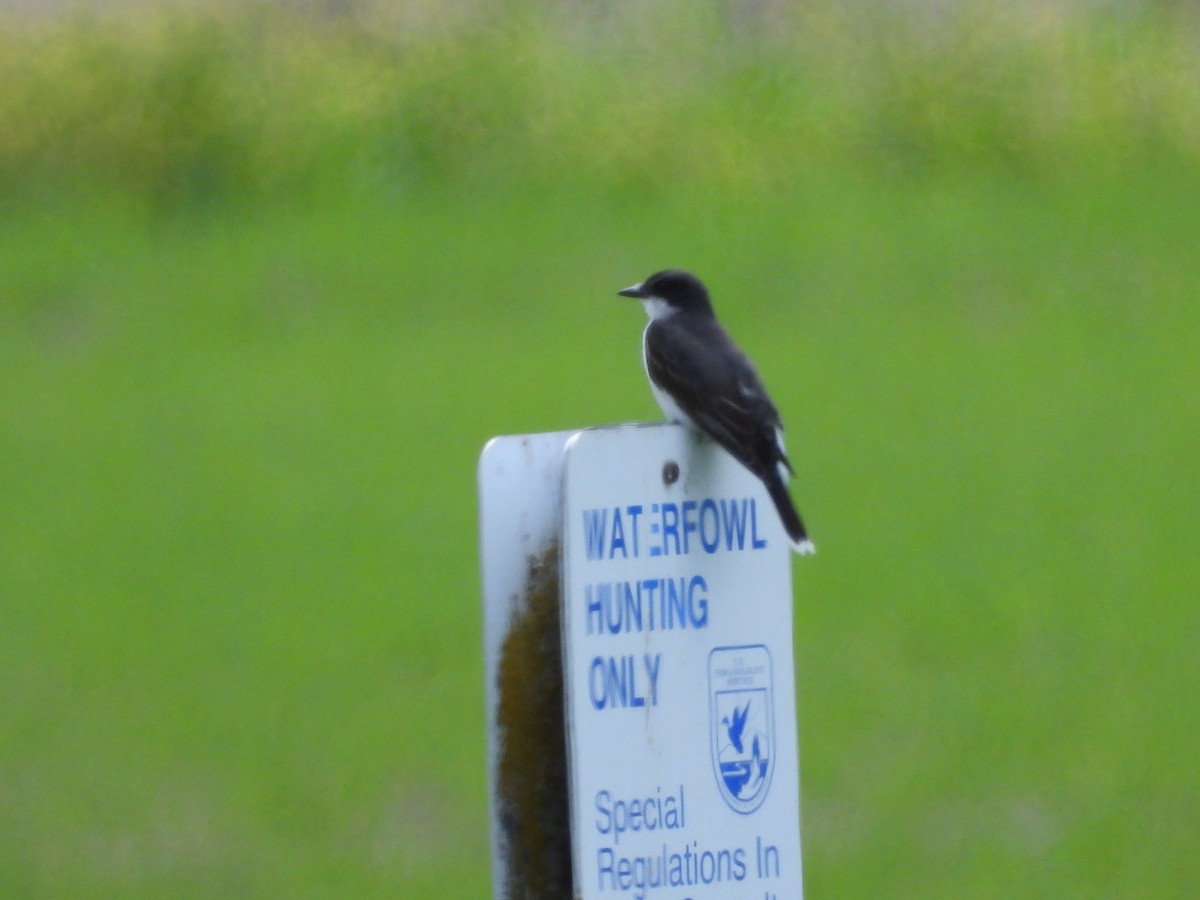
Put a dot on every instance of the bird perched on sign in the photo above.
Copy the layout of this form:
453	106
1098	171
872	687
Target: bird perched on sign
701	379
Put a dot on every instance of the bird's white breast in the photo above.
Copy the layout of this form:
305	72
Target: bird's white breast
666	402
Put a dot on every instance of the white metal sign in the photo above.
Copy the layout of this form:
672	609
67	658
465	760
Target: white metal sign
680	699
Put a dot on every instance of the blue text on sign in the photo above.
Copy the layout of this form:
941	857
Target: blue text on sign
624	682
649	604
672	529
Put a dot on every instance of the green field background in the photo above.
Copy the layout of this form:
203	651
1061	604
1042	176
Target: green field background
270	276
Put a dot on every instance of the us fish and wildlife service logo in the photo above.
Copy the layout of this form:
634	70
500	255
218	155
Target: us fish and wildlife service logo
742	724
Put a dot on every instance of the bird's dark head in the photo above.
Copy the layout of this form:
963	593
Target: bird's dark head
671	290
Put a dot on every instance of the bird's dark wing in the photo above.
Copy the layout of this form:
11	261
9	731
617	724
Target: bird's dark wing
717	386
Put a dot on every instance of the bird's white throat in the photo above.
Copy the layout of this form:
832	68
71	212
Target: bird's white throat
657	308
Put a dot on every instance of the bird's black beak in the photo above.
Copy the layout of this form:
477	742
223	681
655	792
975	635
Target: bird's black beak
635	291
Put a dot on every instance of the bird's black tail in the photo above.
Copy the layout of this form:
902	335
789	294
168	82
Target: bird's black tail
788	514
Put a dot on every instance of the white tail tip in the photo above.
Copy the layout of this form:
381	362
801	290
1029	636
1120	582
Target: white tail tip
805	547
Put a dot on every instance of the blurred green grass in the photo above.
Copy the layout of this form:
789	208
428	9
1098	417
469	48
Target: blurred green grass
270	280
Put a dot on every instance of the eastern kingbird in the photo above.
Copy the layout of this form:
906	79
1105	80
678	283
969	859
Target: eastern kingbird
701	379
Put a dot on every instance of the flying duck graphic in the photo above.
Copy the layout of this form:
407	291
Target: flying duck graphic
737	726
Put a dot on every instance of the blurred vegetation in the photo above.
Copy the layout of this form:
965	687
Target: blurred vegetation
271	274
217	99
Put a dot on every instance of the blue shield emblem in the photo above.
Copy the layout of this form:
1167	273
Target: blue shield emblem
741	724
